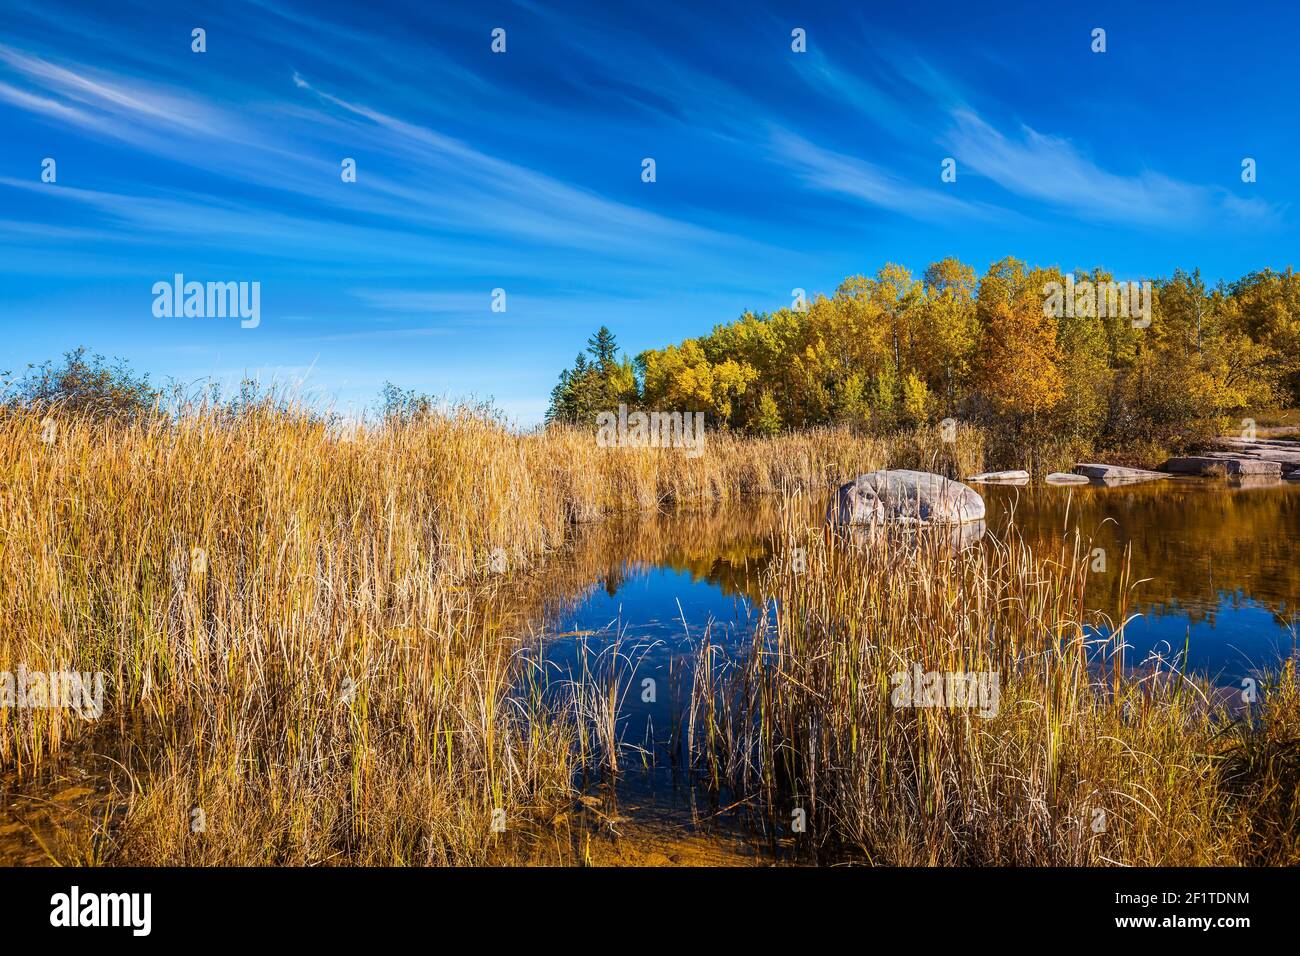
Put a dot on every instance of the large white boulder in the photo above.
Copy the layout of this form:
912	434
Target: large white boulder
904	497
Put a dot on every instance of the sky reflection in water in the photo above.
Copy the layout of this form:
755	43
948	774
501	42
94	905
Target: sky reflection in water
1223	576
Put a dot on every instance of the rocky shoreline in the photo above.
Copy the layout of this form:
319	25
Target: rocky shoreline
1252	460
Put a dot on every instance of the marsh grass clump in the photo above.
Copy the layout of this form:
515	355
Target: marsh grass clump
312	654
1086	759
305	659
1261	774
310	650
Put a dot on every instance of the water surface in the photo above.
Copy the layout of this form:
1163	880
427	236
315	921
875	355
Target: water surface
1213	570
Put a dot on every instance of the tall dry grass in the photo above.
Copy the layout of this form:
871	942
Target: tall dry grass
309	662
307	659
593	482
1089	759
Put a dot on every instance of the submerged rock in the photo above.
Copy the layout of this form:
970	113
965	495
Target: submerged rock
904	497
1115	474
1256	481
1008	476
1065	478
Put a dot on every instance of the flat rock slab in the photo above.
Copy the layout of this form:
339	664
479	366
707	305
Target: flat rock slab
1286	454
1065	478
1116	474
1258	451
1259	448
1000	476
1277	443
1287	466
904	497
1232	467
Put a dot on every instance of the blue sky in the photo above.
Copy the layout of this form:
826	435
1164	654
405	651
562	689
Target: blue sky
522	170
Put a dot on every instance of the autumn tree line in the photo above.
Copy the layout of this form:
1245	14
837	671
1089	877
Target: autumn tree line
894	351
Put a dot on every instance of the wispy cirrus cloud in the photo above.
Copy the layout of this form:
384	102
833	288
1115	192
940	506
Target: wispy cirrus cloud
1052	170
906	97
45	106
279	146
506	196
104	97
865	182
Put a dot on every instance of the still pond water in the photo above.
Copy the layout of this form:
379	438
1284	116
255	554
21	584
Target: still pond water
1215	569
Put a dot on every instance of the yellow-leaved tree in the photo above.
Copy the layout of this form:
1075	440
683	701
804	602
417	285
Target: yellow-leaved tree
681	378
1018	369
